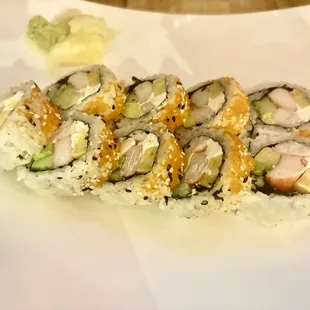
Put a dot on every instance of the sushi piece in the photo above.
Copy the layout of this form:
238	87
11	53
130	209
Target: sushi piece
281	177
219	104
27	121
282	165
79	157
150	166
282	105
217	166
158	99
94	90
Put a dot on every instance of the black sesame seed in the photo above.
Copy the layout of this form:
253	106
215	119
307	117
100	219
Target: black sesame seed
180	177
128	190
80	177
95	158
180	170
113	107
27	107
183	106
147	132
96	115
173	118
179	106
20	157
85	189
170	176
115	146
32	122
245	179
204	202
166	200
145	198
59	178
115	139
110	146
168	119
99	148
168	167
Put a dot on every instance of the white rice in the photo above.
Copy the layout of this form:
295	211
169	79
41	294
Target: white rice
271	210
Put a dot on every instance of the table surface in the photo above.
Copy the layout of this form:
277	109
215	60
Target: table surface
205	6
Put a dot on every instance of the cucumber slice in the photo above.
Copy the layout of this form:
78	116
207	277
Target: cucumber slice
266	110
132	110
66	97
215	90
301	100
121	161
159	86
303	184
147	160
265	161
42	164
182	191
46	152
190	121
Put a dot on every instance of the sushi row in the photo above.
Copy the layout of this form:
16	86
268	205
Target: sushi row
154	142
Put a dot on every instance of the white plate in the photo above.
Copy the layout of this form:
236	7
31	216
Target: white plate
82	254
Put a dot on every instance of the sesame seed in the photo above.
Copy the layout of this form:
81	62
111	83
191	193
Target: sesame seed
113	107
27	107
95	158
145	198
36	116
173	118
128	190
168	167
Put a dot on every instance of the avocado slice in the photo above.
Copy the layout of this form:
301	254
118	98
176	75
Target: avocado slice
210	176
265	161
266	110
46	152
94	78
116	176
303	184
147	160
215	89
79	145
66	97
159	86
301	100
43	164
182	191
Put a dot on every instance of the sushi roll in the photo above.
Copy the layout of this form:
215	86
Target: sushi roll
150	166
217	168
158	99
27	121
79	157
283	105
281	177
94	90
219	104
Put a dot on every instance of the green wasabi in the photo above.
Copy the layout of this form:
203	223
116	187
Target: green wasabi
45	34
